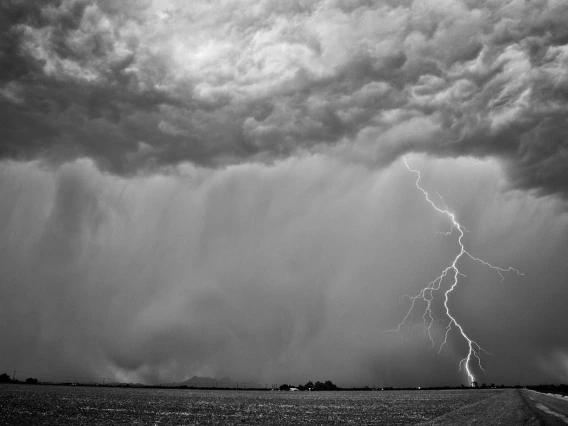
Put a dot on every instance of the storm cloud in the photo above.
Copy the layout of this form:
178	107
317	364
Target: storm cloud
264	273
216	188
137	84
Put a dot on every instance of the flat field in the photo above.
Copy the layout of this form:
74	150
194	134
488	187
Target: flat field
42	405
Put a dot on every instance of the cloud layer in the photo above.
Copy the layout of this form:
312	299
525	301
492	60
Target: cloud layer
215	187
140	84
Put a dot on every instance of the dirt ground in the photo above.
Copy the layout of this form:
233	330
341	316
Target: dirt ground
507	409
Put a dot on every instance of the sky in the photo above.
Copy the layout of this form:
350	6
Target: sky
219	188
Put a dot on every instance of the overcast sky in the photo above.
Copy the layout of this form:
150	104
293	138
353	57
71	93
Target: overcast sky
217	188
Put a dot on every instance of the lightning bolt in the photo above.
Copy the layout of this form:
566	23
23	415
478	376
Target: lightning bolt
452	271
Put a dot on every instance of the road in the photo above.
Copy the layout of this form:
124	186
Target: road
551	410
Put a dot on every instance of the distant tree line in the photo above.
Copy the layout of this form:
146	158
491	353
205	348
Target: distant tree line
561	389
310	386
4	378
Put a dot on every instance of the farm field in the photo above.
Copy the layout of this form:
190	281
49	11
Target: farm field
38	405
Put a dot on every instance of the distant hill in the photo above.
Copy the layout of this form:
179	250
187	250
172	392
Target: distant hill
208	382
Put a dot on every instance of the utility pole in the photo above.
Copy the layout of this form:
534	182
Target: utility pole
14	375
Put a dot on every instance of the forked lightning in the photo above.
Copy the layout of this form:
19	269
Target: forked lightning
427	293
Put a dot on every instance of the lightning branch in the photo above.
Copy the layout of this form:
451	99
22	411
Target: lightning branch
428	293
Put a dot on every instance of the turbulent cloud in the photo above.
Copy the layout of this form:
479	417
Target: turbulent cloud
225	82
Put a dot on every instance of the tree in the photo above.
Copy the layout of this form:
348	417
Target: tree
309	385
328	385
284	387
4	378
31	381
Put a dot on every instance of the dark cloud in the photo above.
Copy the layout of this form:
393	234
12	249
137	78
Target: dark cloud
190	190
218	84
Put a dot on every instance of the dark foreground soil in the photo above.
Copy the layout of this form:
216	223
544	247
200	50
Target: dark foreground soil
58	405
506	409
